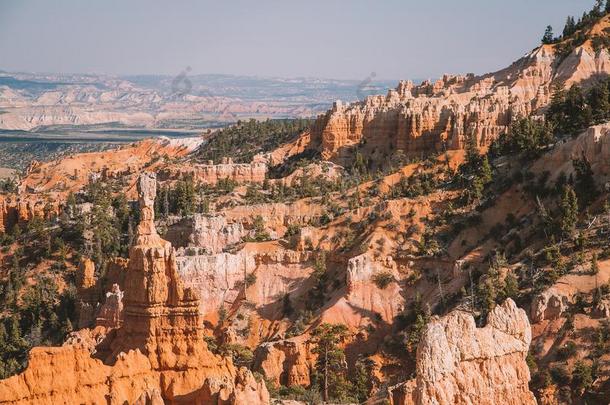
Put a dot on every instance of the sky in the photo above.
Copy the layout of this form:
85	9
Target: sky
340	39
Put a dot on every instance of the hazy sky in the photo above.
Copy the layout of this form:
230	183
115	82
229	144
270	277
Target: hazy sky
316	38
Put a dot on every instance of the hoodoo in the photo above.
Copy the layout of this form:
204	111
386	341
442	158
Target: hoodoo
158	354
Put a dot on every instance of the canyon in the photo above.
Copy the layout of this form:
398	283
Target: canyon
197	281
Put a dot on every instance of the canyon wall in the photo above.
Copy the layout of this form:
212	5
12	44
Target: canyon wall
210	173
433	117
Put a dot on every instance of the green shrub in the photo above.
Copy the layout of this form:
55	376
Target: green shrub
383	279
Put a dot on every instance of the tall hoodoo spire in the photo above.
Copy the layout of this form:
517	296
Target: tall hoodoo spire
161	317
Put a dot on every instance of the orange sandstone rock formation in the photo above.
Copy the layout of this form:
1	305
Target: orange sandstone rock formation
71	173
157	353
210	173
286	362
439	116
17	209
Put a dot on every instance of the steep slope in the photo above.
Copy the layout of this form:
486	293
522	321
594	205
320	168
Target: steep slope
439	116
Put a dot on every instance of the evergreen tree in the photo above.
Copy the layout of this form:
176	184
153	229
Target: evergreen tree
474	192
185	197
360	166
570	27
511	286
165	203
473	156
582	376
556	111
607	213
598	100
585	187
578	114
568	212
486	172
594	265
548	37
598	9
330	364
362	379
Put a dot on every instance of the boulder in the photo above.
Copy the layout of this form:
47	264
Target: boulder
549	305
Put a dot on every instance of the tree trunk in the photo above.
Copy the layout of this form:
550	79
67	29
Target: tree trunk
325	393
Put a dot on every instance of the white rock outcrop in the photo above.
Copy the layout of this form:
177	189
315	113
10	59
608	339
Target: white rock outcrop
458	363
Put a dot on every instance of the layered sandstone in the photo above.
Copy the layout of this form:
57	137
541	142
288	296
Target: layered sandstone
211	173
219	278
110	313
593	145
86	284
286	362
365	300
549	305
215	233
458	363
16	209
45	186
158	352
71	173
433	117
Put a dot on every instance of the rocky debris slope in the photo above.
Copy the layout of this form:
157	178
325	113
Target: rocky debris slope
159	350
458	363
433	117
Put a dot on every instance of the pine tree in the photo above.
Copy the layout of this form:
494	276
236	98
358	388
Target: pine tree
585	186
548	37
362	379
475	191
594	265
511	286
598	9
486	171
331	363
570	27
599	102
166	204
473	156
568	211
607	212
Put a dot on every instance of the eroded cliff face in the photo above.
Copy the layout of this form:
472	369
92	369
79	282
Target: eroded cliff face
158	351
433	117
286	362
210	173
16	209
458	363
